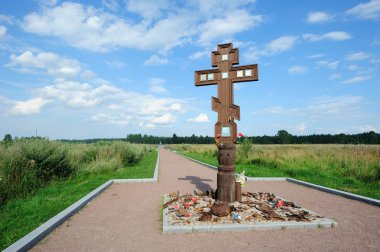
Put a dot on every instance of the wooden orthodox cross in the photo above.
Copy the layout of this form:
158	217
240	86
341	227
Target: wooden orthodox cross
225	129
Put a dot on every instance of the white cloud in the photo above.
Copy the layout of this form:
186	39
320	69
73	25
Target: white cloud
367	128
163	25
333	36
166	118
176	107
335	76
338	106
111	4
3	31
6	19
275	46
47	3
224	28
156	60
280	110
158	89
105	103
323	107
48	63
353	67
375	60
32	106
301	127
316	56
328	63
375	42
215	7
116	64
148	9
318	17
92	29
156	86
121	120
254	53
198	55
199	119
280	44
97	98
114	106
76	94
356	79
297	70
357	56
333	64
366	11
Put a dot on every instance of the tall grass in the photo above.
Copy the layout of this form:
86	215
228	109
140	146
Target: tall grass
29	164
105	156
354	168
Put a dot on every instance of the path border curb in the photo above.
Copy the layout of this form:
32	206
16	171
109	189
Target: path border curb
197	161
348	195
35	236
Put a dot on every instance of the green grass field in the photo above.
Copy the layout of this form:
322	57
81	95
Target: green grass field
351	168
22	214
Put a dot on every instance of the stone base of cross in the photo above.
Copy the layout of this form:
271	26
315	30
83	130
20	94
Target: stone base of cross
225	76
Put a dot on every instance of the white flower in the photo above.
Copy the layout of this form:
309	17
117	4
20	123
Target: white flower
241	178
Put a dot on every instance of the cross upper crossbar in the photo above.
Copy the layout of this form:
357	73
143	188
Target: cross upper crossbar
224	76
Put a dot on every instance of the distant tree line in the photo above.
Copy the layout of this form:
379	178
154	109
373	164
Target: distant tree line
282	137
149	139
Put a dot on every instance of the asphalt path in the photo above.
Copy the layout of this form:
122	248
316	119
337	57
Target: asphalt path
126	217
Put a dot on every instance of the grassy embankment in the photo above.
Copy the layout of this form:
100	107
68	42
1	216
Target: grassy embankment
40	178
351	168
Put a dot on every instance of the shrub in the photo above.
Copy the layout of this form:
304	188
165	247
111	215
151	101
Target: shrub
94	157
130	154
112	164
27	165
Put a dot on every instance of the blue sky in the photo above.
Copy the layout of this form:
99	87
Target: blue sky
108	68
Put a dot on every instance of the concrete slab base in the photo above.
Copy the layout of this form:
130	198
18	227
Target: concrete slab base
324	223
262	225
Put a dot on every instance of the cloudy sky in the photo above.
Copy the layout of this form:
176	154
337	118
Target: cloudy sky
108	68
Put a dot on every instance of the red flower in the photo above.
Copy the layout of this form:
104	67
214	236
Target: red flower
176	206
187	204
194	200
240	135
280	203
187	215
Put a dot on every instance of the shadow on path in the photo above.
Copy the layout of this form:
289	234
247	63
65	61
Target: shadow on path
198	182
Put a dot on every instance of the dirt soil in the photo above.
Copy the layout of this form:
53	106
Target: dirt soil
126	217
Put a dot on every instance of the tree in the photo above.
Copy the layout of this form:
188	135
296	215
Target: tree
8	140
283	137
372	138
175	139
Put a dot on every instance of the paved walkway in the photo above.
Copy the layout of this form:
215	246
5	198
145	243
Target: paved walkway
126	218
